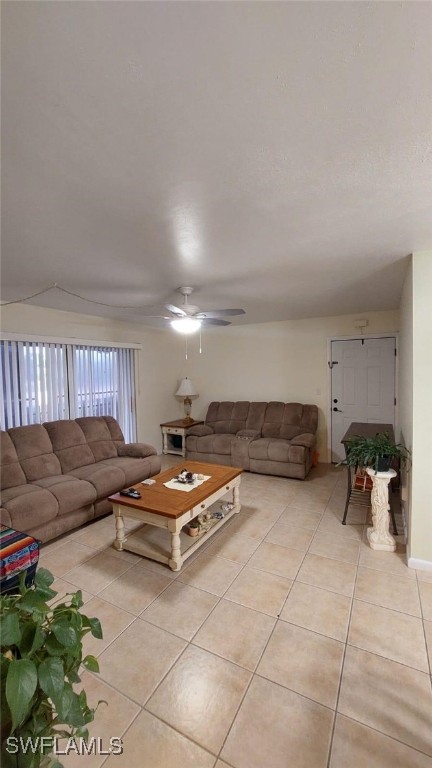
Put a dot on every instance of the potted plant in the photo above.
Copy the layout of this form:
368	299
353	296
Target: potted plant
41	655
193	528
377	452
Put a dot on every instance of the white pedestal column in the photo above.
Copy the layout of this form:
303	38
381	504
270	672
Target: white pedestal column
379	536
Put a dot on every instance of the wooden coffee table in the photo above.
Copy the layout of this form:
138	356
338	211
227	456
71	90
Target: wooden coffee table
165	511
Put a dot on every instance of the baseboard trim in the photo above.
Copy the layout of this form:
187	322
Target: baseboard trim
421	565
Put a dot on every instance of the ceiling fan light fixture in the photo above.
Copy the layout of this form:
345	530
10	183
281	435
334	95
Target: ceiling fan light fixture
186	324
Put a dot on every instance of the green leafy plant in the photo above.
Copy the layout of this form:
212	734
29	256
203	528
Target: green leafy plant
369	451
194	523
41	655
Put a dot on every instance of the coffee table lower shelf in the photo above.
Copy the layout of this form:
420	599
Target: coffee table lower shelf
155	540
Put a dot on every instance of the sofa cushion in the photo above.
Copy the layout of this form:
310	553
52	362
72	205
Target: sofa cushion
227	417
4	517
28	505
199	430
274	449
114	428
307	440
248	434
11	470
219	444
98	437
69	444
106	479
71	493
255	418
280	468
35	451
222	443
135	450
136	469
62	523
286	420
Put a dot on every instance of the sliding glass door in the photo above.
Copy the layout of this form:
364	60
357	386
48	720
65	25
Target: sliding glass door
45	382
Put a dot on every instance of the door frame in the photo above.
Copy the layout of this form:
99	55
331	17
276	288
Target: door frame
353	337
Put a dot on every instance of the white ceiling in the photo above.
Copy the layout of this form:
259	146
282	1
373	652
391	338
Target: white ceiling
277	156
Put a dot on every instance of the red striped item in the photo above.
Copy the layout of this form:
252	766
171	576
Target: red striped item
18	552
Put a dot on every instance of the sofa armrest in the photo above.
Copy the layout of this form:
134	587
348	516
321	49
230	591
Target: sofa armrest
136	450
200	430
248	434
5	518
307	440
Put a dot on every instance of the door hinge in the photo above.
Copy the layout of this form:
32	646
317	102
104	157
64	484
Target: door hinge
395	352
395	401
330	365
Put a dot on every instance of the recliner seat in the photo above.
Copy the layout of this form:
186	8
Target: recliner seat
270	438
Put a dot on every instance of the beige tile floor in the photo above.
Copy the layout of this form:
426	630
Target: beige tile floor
285	641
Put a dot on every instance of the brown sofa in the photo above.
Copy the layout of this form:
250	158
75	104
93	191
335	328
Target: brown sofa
271	438
58	475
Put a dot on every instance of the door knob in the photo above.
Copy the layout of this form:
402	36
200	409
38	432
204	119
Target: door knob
338	410
335	400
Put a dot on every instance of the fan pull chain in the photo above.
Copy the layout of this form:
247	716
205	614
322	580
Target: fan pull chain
186	355
200	348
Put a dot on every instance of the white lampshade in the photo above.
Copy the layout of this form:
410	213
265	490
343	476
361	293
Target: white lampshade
186	324
186	389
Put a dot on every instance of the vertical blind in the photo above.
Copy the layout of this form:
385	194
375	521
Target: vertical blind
44	382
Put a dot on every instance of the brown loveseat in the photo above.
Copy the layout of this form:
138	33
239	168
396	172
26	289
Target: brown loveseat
270	438
58	475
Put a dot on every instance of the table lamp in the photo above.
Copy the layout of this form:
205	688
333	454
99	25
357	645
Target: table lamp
186	390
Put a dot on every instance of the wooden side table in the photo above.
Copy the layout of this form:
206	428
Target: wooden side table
173	429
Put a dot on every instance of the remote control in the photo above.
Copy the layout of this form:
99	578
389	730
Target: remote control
131	492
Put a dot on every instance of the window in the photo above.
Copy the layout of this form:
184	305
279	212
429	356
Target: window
44	382
104	385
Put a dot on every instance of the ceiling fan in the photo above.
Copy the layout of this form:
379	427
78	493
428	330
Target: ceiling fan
188	318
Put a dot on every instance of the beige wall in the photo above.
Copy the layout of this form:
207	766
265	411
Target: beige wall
284	361
421	507
405	385
271	361
160	353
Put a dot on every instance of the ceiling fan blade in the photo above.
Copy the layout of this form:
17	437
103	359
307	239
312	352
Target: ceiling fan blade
214	321
175	310
221	312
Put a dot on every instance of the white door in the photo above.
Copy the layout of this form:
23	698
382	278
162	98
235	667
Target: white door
362	385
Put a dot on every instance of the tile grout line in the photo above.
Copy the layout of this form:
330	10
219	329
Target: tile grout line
428	656
299	582
188	644
254	673
123	734
191	642
386	735
342	669
344	654
141	615
176	730
387	608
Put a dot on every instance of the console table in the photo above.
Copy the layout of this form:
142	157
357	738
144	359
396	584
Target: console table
172	429
363	498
